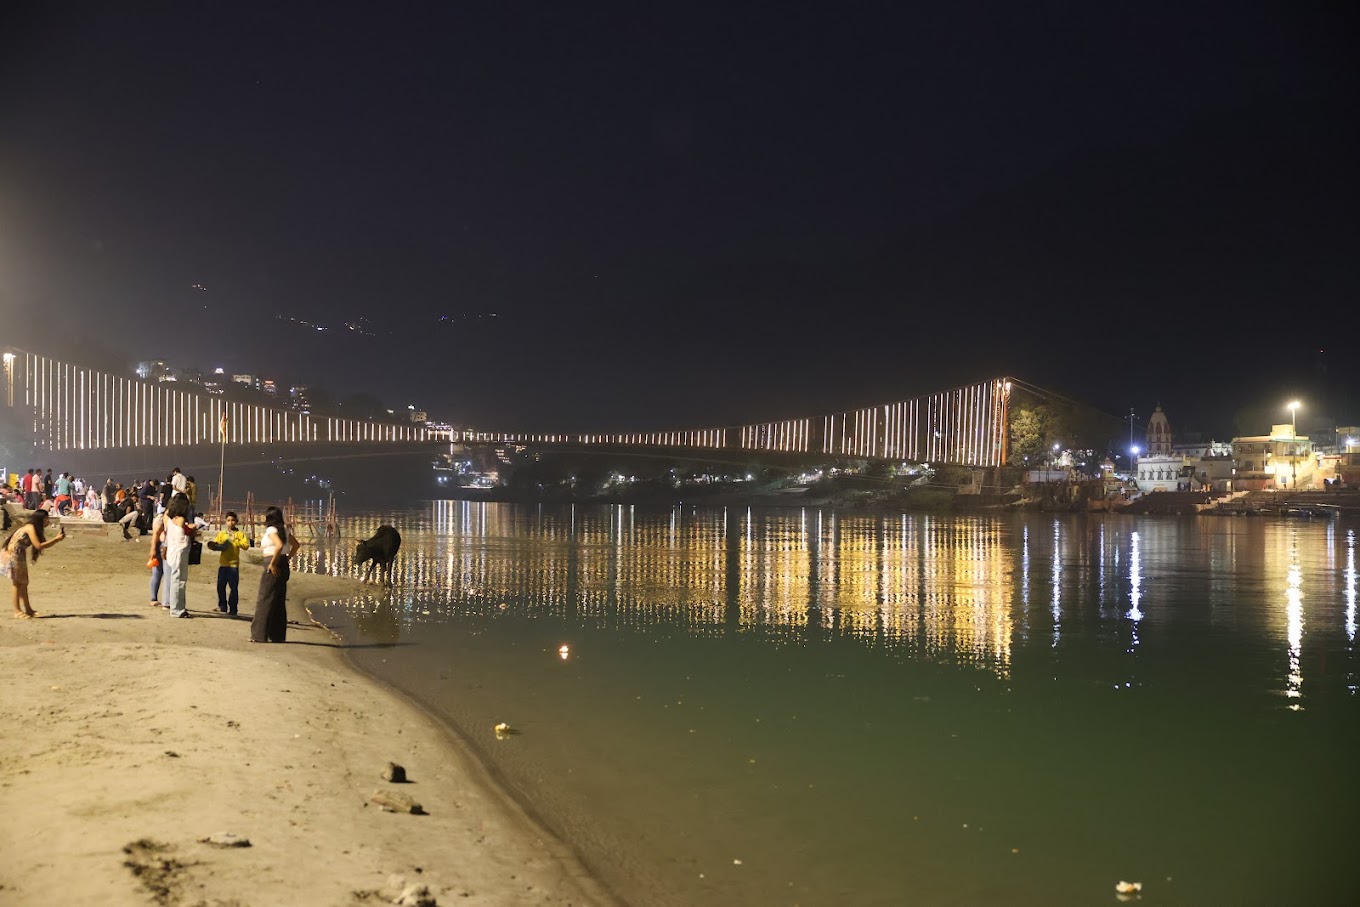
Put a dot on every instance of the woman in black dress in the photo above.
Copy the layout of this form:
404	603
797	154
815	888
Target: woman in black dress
278	545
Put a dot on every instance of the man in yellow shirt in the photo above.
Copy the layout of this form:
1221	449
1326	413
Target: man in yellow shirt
231	541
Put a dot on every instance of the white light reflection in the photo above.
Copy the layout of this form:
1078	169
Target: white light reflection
1294	612
1100	570
1135	590
1057	582
1024	572
1350	585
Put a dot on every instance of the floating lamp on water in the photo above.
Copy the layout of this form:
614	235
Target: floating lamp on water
564	651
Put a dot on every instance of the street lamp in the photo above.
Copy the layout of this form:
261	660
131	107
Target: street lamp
1133	461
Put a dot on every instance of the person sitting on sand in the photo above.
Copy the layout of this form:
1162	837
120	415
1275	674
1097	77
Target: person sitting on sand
90	508
29	535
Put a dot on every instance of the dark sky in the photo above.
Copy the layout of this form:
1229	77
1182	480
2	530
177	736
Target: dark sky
683	214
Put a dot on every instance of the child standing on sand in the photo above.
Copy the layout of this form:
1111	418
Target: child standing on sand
29	535
230	542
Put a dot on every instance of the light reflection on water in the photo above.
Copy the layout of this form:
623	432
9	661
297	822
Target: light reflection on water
1135	589
825	694
710	571
1350	585
1294	614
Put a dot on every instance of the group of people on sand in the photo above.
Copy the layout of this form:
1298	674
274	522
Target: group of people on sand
36	490
174	528
138	505
134	506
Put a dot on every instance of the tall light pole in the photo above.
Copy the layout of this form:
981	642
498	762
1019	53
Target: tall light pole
9	378
1294	444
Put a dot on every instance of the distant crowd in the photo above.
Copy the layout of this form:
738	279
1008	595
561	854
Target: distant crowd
134	506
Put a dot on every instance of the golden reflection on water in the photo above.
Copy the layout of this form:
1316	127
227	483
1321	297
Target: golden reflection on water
939	587
955	589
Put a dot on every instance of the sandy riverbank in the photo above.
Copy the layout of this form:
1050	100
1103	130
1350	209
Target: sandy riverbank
127	736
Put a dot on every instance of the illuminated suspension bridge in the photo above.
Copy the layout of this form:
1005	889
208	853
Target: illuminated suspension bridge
77	408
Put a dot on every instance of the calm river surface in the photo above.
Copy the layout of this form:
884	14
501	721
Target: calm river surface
797	707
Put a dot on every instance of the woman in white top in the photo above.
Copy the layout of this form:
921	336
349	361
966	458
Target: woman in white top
175	554
278	545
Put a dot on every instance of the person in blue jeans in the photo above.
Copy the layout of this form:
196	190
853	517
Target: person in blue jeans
155	562
175	554
230	542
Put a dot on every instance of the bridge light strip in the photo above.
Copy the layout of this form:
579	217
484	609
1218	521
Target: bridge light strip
75	408
83	408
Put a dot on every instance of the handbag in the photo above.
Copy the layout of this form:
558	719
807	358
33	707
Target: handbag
6	561
195	552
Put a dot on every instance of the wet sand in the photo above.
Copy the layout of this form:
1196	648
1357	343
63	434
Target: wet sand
127	737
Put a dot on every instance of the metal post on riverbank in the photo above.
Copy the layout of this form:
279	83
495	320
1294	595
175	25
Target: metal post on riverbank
222	464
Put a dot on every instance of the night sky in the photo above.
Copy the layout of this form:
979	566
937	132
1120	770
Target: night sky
558	216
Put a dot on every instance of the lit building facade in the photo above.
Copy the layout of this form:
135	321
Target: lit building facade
1198	466
154	370
1275	461
1160	469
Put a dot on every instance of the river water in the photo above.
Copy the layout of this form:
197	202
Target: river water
733	706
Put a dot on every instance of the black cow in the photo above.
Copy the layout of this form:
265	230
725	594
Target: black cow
380	551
